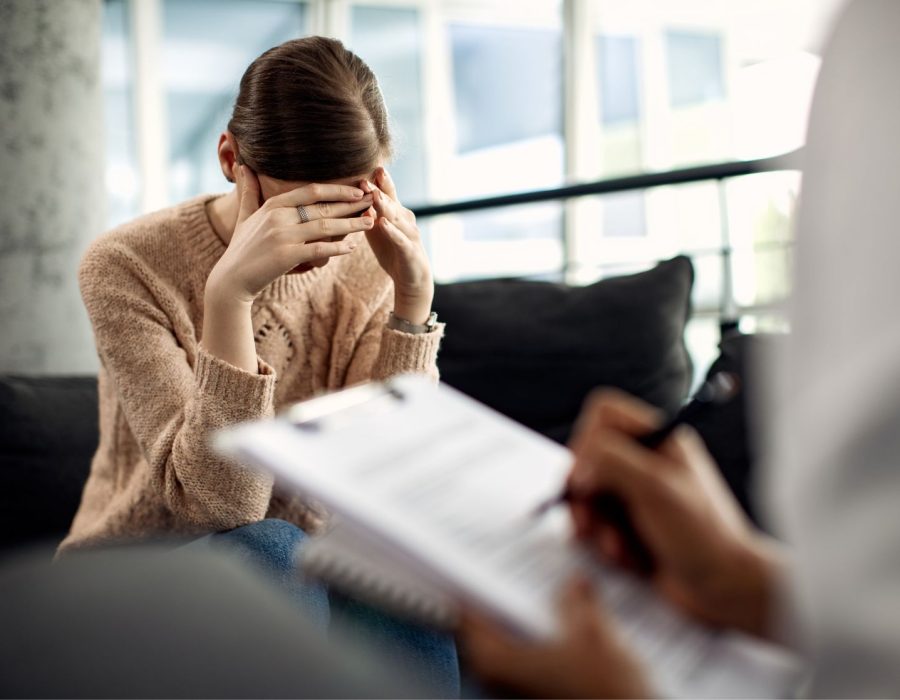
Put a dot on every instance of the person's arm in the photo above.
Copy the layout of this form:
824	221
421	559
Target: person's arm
173	398
397	243
383	352
395	240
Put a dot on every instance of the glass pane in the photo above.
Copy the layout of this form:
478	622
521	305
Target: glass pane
507	96
520	241
691	214
389	40
619	76
207	46
122	177
648	225
765	323
707	292
683	82
624	215
761	223
506	84
695	68
762	277
761	208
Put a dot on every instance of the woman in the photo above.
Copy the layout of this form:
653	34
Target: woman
308	276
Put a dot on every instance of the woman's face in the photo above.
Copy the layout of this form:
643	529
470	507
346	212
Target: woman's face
271	187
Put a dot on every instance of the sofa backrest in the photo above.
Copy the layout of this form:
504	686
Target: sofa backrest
532	350
48	434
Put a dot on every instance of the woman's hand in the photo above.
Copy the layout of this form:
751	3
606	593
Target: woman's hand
270	240
397	244
588	660
709	560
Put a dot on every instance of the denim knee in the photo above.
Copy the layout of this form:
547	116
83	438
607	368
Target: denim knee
271	542
271	545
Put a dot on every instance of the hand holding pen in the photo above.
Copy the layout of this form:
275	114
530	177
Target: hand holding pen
605	510
707	559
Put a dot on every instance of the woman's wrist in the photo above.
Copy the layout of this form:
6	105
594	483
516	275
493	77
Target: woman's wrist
220	291
414	308
228	329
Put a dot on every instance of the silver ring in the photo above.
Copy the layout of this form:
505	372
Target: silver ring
304	214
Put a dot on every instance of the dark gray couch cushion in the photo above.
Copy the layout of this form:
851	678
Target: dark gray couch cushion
48	434
534	350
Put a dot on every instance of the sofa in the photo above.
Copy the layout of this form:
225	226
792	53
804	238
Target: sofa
532	350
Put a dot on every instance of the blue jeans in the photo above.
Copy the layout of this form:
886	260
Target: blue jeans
424	655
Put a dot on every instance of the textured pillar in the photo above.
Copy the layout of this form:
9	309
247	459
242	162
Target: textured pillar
51	180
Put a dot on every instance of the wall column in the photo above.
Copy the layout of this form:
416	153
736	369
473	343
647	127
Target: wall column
52	190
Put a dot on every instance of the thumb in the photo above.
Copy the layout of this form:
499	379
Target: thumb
248	192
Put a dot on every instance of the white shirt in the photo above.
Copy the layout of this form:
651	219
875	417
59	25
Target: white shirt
835	477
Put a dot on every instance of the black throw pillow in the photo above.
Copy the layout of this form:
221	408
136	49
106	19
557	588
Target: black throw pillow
534	350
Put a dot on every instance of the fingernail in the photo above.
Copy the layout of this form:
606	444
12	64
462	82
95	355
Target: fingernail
358	193
368	223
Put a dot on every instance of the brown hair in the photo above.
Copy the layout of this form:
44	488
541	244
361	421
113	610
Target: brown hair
310	109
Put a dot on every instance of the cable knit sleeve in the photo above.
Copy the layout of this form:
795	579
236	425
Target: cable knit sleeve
383	352
174	394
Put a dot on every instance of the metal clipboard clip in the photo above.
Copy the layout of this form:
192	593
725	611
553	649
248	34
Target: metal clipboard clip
342	407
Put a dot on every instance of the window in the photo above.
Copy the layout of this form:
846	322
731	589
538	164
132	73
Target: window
695	68
389	39
206	48
624	215
619	76
506	81
505	88
122	179
482	104
507	95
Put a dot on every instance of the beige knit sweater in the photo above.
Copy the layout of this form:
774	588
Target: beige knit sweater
161	394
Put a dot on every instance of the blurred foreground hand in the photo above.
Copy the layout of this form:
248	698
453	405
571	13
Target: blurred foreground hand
710	561
588	660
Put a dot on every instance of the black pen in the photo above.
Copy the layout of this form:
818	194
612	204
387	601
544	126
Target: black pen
718	390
